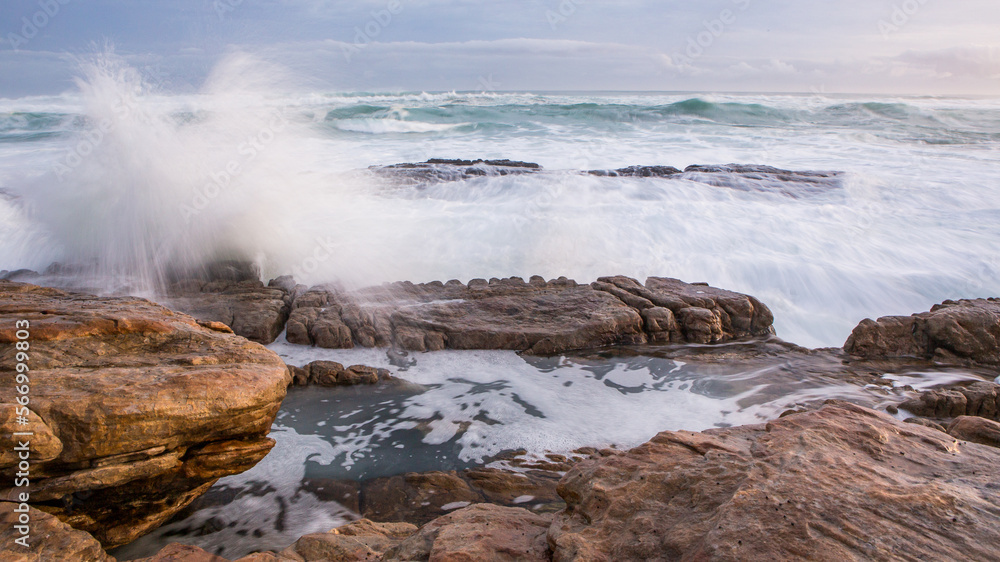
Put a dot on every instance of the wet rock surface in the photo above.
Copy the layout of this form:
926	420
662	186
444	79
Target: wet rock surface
839	483
331	373
743	177
437	170
977	399
537	316
953	331
138	410
231	293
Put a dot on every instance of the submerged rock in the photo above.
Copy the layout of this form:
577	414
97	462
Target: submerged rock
331	373
537	316
839	483
137	410
964	331
437	170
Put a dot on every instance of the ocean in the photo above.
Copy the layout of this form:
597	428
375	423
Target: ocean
123	178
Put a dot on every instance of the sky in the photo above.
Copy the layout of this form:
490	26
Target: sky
932	47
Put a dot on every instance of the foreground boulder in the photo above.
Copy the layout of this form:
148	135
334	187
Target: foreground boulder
537	316
135	410
483	532
839	483
965	330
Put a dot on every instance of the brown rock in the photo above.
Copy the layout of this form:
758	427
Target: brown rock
537	317
838	483
965	330
176	552
250	309
976	429
357	541
978	399
415	497
48	539
331	373
482	532
150	408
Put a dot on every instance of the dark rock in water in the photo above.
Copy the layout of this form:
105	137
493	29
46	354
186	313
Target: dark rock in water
838	483
540	317
331	373
978	399
750	177
638	171
20	275
437	170
953	331
232	293
136	410
419	497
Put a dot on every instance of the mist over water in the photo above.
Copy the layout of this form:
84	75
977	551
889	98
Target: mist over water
134	181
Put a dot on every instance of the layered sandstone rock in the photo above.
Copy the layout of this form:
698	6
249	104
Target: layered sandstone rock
839	483
535	316
136	410
232	293
48	538
965	330
482	532
977	399
331	373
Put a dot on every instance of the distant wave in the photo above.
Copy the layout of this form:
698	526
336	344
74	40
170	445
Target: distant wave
379	126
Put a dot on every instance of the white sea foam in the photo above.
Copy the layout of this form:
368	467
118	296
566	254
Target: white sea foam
916	220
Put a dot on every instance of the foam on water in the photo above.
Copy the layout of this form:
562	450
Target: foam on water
915	221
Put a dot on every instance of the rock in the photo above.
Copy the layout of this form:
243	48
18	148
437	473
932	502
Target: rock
437	170
751	177
536	317
839	483
357	541
638	171
137	409
976	429
232	294
926	423
965	330
331	373
176	552
48	538
482	532
977	399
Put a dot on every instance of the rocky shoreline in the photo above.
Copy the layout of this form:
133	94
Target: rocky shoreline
138	409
